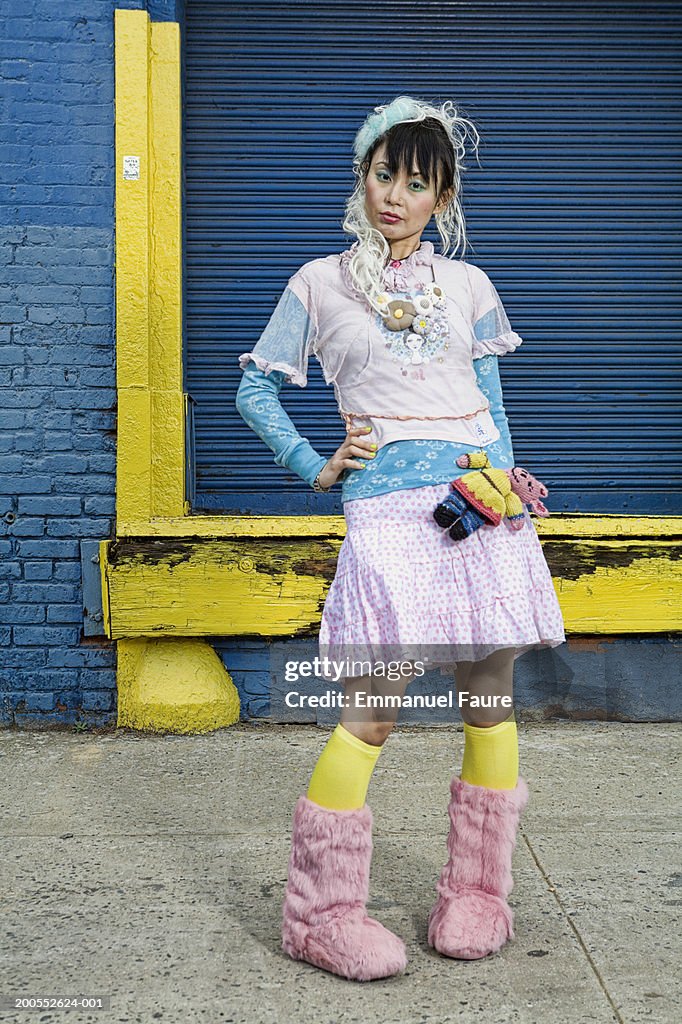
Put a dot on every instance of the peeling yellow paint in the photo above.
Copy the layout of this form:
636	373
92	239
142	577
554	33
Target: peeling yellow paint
643	598
217	588
276	587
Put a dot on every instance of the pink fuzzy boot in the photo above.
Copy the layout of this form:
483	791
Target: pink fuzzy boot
324	920
471	916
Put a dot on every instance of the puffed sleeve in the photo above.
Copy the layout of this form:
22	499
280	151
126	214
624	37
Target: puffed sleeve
289	336
493	334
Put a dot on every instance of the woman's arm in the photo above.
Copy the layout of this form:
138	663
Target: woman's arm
259	406
488	378
493	337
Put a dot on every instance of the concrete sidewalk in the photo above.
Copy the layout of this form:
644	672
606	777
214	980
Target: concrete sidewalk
151	870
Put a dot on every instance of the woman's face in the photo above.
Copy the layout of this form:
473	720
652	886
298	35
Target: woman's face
399	206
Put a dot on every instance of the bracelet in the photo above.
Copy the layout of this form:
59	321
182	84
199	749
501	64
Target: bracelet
317	486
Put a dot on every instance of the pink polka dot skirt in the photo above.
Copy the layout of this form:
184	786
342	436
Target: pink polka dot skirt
404	589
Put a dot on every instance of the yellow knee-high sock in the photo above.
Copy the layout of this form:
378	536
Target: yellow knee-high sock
341	776
491	755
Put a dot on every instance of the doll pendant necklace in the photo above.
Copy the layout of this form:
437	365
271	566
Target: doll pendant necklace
418	323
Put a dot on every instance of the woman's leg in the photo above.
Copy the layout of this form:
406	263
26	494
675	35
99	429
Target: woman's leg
342	774
471	917
491	751
373	724
485	683
324	916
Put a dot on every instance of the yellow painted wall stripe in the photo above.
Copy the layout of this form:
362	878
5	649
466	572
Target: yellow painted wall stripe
165	249
150	478
134	456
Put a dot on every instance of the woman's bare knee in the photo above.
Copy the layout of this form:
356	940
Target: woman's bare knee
486	724
372	706
462	673
374	733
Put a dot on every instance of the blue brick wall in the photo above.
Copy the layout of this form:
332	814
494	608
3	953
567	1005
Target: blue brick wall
248	662
57	373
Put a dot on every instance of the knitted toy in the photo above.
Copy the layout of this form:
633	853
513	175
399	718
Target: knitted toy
486	495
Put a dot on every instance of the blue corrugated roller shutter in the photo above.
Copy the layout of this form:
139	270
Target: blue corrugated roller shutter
575	214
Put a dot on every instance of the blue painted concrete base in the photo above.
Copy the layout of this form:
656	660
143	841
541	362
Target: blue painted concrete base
634	679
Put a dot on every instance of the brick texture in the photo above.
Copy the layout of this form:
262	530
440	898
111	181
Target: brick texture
57	369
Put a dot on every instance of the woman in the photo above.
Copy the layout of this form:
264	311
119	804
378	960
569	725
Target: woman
409	339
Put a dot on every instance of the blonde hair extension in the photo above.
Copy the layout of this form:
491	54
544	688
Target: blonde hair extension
371	250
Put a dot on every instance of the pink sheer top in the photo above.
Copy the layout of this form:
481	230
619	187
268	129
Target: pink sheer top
426	392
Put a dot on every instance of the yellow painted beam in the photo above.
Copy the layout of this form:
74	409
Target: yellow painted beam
165	142
131	65
210	526
217	588
335	526
270	587
134	452
591	526
165	251
168	452
616	586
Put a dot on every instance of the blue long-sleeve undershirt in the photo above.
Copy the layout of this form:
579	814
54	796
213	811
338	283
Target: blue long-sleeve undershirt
258	404
399	464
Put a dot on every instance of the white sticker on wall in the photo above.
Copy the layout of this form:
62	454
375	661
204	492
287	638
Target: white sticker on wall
131	168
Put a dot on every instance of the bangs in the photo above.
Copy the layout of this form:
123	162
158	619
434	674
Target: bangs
423	146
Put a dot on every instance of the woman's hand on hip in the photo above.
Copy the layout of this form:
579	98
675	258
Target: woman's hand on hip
356	445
